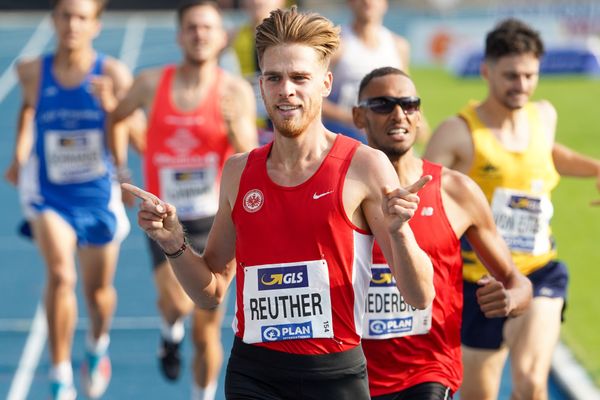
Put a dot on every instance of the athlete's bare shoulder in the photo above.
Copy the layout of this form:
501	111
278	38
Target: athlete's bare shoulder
464	202
371	170
29	68
232	174
29	72
234	84
451	144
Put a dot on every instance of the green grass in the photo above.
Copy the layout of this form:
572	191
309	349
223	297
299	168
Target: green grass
576	225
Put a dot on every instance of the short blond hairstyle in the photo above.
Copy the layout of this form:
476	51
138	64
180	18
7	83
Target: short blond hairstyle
292	26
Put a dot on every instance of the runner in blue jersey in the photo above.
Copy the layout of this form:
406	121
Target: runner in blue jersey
68	186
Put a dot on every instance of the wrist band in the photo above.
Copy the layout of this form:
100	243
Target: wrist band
178	252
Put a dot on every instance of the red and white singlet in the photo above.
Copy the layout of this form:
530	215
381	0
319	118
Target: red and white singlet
186	150
404	346
303	267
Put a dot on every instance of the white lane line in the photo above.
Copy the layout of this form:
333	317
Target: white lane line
30	357
41	36
132	41
571	376
19	325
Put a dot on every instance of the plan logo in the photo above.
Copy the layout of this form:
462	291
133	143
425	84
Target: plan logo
378	327
275	333
283	277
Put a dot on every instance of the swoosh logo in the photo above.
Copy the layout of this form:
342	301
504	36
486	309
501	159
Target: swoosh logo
318	196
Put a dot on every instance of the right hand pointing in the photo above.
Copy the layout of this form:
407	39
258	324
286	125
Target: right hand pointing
158	219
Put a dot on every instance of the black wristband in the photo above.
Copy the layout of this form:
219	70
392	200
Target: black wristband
178	252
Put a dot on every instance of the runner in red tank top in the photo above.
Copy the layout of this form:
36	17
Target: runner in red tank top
415	354
295	219
195	124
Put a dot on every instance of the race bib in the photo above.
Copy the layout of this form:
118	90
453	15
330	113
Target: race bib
287	301
74	156
523	220
387	314
193	191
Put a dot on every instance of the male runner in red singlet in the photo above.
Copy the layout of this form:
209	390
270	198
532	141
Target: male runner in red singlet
198	116
415	354
295	222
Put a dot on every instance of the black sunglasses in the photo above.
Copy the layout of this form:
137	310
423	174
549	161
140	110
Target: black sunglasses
386	104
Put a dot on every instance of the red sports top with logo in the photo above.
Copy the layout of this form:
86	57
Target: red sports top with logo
186	150
404	346
303	268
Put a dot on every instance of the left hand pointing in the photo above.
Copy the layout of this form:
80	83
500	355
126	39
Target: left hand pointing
400	204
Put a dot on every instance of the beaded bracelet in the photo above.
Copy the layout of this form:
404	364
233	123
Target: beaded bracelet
178	252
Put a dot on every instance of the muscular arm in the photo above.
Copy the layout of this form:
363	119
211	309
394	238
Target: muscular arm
509	292
451	145
28	74
205	278
370	177
238	107
571	163
139	96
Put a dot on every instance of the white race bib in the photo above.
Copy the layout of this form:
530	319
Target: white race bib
74	156
193	191
287	301
387	314
523	220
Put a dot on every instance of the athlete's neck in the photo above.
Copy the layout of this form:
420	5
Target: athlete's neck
408	167
68	59
196	74
293	160
497	116
367	32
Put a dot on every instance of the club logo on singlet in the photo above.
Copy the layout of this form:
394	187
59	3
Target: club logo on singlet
253	200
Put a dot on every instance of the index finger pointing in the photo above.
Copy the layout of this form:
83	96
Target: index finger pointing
418	185
139	193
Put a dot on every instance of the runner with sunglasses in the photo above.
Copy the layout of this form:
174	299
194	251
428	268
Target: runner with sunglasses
415	354
506	144
387	104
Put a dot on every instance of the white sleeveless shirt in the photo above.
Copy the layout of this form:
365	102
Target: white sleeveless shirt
357	60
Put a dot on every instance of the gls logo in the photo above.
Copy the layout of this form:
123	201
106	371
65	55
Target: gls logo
283	277
382	277
275	333
386	326
525	203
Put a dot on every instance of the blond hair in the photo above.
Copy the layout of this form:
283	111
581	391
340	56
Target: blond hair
292	26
